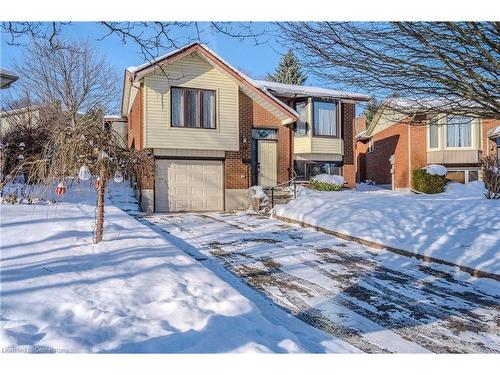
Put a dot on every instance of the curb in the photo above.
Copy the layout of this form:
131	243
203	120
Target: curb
375	245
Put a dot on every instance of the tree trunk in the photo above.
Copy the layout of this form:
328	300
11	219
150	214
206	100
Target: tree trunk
99	229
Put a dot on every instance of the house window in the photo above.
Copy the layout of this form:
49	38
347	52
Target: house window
193	108
301	126
307	169
463	176
433	133
325	118
458	131
370	145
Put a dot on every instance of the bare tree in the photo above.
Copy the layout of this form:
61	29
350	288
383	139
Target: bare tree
76	77
152	38
71	87
446	67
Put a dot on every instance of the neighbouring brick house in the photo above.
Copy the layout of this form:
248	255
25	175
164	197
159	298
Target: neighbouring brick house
394	144
214	132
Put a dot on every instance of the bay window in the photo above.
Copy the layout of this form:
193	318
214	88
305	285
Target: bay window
307	169
324	118
458	131
433	133
301	126
192	108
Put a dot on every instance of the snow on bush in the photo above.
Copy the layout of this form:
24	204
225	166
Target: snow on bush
257	192
326	182
329	179
436	170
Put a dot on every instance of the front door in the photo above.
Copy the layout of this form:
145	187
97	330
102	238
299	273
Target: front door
268	162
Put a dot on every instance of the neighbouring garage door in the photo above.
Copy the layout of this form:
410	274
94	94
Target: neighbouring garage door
189	185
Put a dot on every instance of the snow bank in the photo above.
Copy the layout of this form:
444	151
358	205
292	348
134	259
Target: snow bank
460	225
257	192
330	179
134	292
436	169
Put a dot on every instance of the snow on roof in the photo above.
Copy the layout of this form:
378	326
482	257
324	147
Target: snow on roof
428	103
285	89
493	133
114	117
134	69
7	77
360	134
8	72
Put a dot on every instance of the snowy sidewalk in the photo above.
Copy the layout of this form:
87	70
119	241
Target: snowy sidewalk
459	226
134	292
376	300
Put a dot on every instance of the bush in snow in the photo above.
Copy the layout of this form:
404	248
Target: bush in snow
436	169
326	182
428	183
491	176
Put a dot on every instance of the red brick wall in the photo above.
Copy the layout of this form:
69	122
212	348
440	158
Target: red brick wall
264	119
393	141
488	124
360	154
348	129
390	141
418	143
253	115
234	168
135	125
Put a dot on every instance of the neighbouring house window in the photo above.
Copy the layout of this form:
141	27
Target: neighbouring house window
307	169
370	145
463	176
301	126
434	132
458	131
193	108
325	118
473	176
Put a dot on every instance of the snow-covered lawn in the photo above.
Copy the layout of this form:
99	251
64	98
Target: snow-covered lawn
460	225
134	292
375	300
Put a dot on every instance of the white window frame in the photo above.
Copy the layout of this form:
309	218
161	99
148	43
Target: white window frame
371	145
439	142
466	172
472	136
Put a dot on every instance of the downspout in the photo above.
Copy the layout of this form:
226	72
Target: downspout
409	150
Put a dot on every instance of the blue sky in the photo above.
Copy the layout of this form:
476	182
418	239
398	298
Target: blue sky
254	60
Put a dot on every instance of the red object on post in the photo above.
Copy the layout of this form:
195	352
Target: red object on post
60	189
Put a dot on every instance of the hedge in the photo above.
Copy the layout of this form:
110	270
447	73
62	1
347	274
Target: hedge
323	186
428	183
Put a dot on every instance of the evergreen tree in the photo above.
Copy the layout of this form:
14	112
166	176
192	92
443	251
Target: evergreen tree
371	108
288	71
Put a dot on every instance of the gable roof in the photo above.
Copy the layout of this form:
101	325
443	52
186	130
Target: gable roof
288	115
7	77
283	89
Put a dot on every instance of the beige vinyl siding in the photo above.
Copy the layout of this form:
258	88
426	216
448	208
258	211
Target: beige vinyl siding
321	157
317	145
188	153
190	71
327	146
387	118
302	145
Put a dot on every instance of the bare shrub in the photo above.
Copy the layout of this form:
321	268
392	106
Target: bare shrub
491	176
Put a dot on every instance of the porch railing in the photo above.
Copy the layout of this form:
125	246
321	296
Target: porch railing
291	184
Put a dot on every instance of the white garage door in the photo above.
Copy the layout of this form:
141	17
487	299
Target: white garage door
189	185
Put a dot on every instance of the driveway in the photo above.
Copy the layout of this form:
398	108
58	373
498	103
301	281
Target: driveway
374	299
